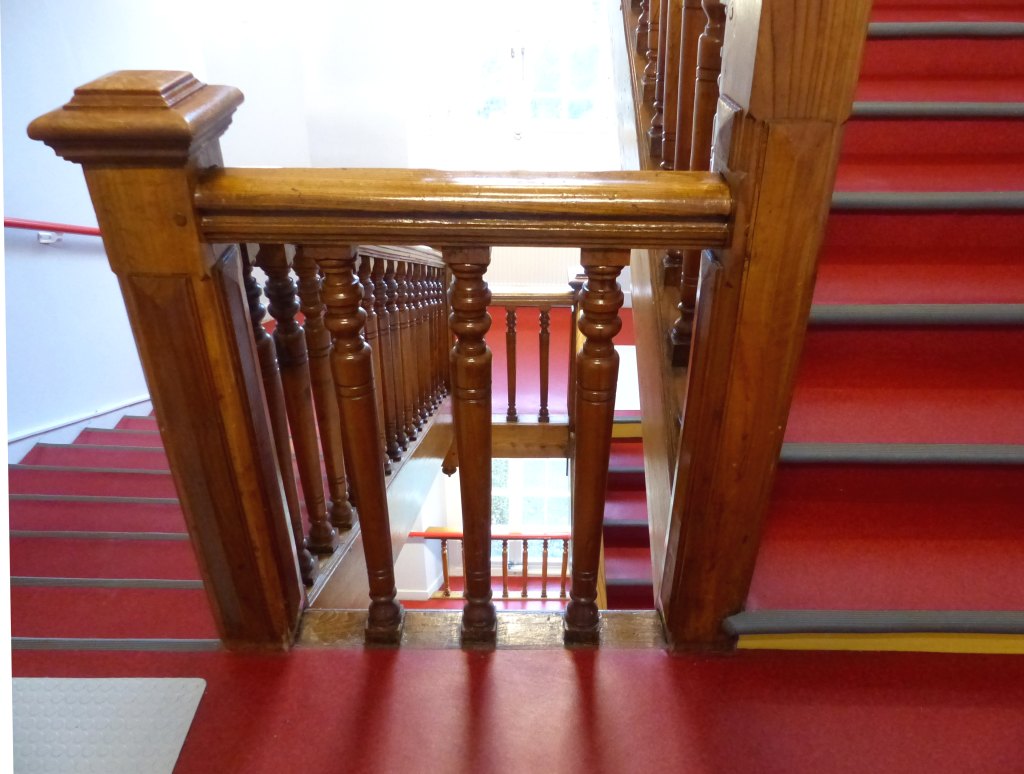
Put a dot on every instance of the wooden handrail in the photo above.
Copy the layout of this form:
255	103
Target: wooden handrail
401	206
531	299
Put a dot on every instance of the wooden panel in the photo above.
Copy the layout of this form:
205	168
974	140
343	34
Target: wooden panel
755	296
334	206
525	439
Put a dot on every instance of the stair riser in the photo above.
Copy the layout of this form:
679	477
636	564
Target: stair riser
84	457
631	535
901	139
931	58
98	437
96	516
39	557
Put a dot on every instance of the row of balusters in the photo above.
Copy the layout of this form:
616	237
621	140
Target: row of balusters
405	330
680	42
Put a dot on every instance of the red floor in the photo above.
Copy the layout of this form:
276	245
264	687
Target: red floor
388	711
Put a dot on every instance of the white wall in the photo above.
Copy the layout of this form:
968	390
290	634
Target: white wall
326	84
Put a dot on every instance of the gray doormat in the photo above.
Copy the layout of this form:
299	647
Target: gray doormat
102	726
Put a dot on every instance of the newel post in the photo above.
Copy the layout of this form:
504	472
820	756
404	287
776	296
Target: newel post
788	77
142	137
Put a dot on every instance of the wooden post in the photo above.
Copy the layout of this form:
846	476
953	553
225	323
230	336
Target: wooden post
352	365
788	81
293	361
510	362
504	568
142	139
422	339
318	345
650	76
656	134
597	368
471	410
544	571
673	58
446	587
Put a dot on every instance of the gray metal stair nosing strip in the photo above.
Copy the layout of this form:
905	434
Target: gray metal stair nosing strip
917	314
876	622
944	29
105	583
906	109
78	469
78	534
60	498
97	643
853	201
903	453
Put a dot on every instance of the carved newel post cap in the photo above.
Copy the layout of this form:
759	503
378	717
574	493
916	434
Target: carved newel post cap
141	117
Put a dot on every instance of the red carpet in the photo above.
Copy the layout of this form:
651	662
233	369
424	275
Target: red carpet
584	711
927	537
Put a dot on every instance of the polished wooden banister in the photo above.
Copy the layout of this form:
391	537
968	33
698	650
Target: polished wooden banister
400	206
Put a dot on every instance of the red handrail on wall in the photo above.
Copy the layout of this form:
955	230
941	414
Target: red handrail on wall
42	225
443	534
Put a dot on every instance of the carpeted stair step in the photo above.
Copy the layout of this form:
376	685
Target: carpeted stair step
628	578
116	482
77	612
97	456
625	519
137	423
103	555
95	514
924	385
99	436
919	258
901	537
946	10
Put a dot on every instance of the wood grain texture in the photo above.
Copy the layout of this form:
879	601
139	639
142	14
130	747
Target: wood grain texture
593	209
755	297
371	335
471	408
673	59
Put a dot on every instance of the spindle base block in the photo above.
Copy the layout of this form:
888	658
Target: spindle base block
582	623
479	625
385	624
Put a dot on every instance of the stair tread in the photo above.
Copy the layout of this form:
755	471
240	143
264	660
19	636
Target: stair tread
864	385
865	537
885	174
137	423
923	89
124	483
97	456
115	437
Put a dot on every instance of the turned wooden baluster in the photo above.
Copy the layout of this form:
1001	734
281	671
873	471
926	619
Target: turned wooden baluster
471	409
577	291
526	568
293	362
643	28
409	369
504	569
705	103
510	362
387	360
397	362
544	572
278	417
318	346
656	133
422	336
565	568
673	22
446	588
370	328
352	366
692	27
650	76
545	360
597	368
445	335
440	332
